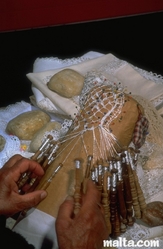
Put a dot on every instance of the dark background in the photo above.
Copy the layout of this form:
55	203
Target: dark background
137	39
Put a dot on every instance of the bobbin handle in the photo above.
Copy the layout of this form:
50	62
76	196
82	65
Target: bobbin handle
77	193
128	200
121	201
134	194
105	200
141	198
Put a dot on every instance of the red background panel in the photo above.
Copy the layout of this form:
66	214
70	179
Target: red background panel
26	14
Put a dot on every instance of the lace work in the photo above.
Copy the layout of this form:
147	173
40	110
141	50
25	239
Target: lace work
139	232
157	78
112	66
57	134
58	62
96	78
48	63
13	146
101	102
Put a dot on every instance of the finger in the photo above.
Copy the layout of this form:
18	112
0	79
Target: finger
92	196
12	161
66	209
31	199
24	165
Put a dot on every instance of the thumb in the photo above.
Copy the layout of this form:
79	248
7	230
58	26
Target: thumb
66	208
33	198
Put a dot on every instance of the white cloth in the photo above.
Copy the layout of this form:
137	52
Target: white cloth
36	227
113	68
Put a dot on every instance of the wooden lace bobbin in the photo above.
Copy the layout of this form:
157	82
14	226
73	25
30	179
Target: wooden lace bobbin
87	173
113	197
109	189
49	157
43	157
95	171
93	175
134	194
121	206
141	198
42	148
127	193
77	193
133	154
100	174
24	178
35	181
121	201
47	182
114	216
111	164
117	229
105	198
89	166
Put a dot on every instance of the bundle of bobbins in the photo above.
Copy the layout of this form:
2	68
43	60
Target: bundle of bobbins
45	155
121	195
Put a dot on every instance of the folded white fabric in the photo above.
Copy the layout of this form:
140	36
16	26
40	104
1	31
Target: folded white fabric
113	68
45	64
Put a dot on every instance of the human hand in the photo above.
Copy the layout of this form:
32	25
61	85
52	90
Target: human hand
87	229
11	201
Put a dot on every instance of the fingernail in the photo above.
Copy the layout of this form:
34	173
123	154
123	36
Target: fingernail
43	195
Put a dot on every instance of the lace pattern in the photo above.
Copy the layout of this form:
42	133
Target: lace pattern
57	134
48	63
139	232
13	146
58	63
